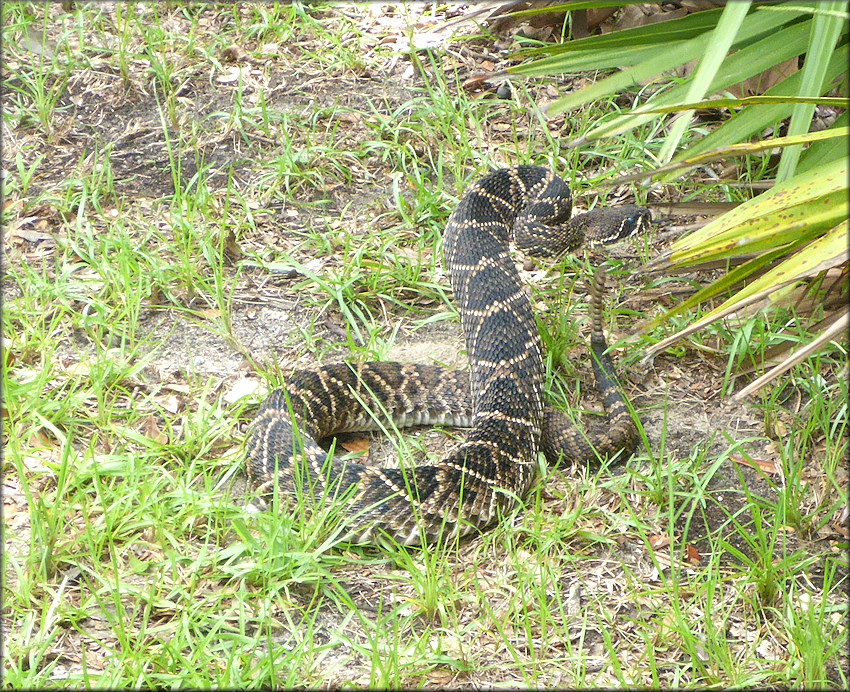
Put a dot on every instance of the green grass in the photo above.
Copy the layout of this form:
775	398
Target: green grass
156	195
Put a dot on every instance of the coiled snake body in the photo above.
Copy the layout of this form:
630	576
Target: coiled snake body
509	423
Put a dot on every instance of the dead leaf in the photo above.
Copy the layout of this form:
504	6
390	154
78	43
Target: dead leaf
151	430
15	228
23	375
659	541
410	253
763	81
349	118
475	81
32	236
10	507
234	74
232	252
692	554
761	464
36	42
245	386
169	402
358	446
841	524
81	369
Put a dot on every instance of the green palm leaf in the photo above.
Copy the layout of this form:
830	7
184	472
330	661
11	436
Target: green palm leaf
797	230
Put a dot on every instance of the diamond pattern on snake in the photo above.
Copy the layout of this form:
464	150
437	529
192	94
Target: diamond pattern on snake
500	399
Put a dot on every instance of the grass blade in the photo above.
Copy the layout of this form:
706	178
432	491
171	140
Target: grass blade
826	29
721	41
749	120
754	59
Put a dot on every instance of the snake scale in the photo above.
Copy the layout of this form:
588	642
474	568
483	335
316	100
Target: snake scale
500	399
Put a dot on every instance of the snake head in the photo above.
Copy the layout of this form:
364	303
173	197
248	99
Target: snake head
615	223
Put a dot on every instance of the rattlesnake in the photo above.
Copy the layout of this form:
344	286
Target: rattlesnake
509	423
